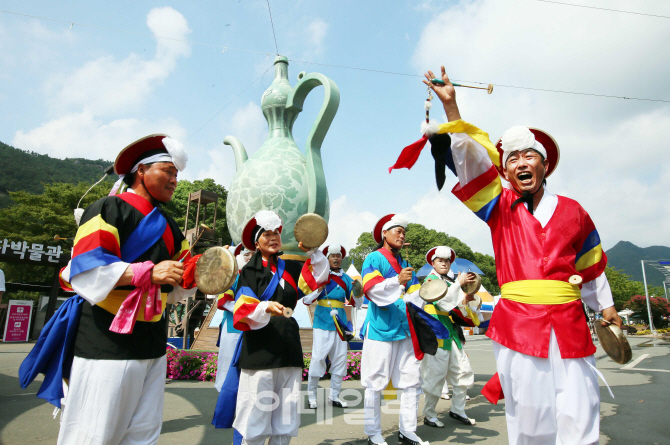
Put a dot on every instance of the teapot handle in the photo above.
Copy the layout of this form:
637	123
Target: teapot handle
317	192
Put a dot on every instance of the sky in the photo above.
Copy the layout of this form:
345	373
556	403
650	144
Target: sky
76	86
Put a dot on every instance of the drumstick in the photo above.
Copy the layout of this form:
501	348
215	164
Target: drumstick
190	251
441	82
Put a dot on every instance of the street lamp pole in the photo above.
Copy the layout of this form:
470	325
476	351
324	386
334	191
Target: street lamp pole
646	293
665	287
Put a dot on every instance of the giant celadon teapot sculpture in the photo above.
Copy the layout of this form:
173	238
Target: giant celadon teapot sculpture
278	176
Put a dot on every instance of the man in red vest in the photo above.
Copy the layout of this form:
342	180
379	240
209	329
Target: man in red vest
548	259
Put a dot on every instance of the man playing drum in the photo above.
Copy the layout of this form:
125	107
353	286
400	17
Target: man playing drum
271	355
450	363
388	355
117	380
327	342
548	259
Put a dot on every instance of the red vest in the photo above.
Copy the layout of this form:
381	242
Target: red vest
524	250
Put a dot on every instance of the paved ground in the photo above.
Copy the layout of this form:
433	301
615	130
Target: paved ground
638	415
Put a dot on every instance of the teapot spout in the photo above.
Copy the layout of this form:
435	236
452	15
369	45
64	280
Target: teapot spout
238	150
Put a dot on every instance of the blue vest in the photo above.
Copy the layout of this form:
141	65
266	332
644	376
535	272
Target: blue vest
332	291
387	323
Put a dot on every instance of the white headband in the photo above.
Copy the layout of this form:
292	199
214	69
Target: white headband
160	157
175	154
519	138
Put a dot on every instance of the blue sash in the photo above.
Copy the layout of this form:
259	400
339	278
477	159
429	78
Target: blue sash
224	413
53	353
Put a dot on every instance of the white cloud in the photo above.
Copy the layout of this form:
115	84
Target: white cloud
441	211
82	135
612	151
316	35
347	223
106	85
92	103
249	126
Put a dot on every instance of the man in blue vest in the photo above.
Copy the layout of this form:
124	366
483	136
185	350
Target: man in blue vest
388	355
327	342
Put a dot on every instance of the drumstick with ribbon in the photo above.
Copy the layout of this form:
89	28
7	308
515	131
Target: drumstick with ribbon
190	251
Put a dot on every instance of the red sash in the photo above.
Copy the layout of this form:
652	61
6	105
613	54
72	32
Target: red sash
286	276
391	259
341	282
145	208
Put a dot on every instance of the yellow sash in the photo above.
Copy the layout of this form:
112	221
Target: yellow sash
116	297
337	304
540	292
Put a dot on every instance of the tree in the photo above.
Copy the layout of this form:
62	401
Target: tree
37	219
421	241
177	207
660	309
623	288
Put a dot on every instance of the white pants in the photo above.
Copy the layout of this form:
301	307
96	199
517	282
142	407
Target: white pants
226	350
549	400
327	344
114	402
267	405
452	366
382	361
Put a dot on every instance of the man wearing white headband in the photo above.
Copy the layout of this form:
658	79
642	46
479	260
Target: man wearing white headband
327	342
125	250
388	354
450	363
548	259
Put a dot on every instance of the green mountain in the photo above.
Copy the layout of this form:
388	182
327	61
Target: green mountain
626	257
29	171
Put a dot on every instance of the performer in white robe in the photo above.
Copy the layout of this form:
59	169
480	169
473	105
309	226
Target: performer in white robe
548	259
271	357
326	340
117	382
450	365
388	353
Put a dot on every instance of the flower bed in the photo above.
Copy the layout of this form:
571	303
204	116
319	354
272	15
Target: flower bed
191	365
647	331
201	365
353	366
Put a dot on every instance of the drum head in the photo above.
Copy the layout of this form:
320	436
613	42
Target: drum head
288	312
215	271
614	342
357	288
473	288
433	290
311	229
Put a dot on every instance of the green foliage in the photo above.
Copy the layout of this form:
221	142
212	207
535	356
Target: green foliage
422	240
623	287
177	207
37	218
30	172
660	309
